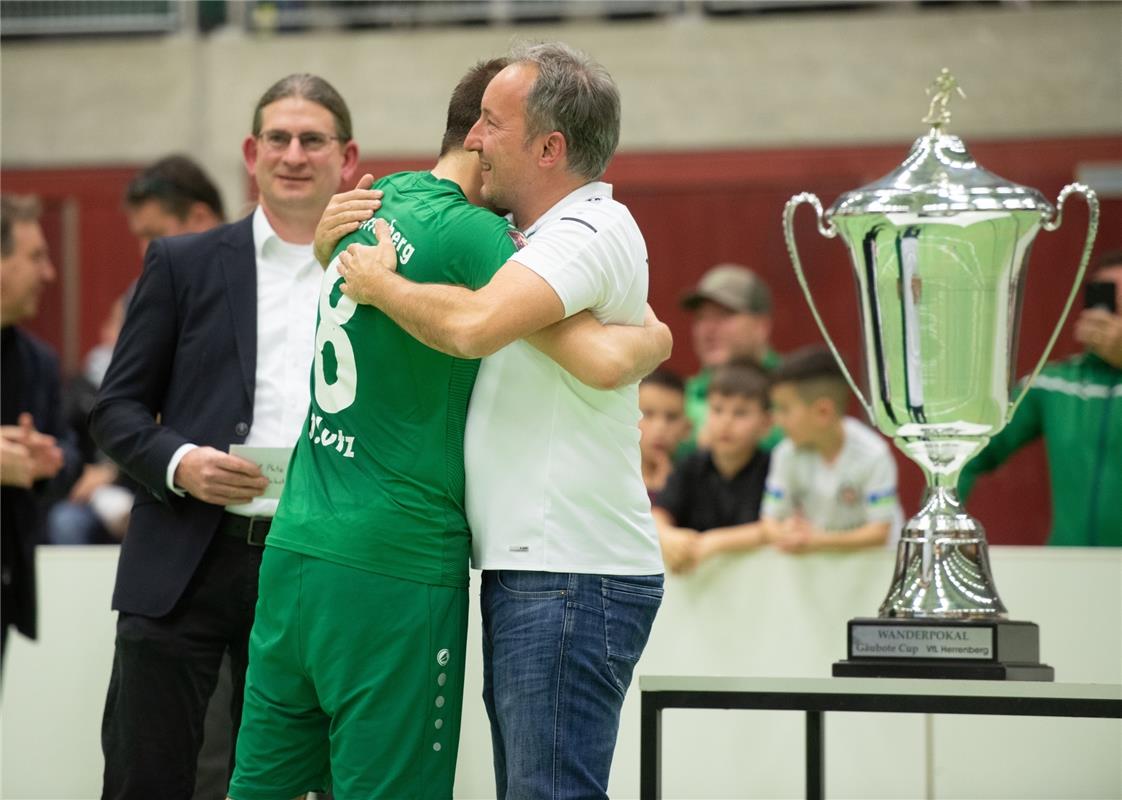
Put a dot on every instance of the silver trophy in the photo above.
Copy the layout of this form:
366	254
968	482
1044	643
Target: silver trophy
939	249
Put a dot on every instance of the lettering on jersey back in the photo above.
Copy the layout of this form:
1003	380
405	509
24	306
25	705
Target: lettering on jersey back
401	244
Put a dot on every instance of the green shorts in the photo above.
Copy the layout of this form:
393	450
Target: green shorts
355	683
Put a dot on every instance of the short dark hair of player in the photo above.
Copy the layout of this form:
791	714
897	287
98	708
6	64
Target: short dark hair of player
814	373
740	377
309	87
15	208
177	183
467	98
666	378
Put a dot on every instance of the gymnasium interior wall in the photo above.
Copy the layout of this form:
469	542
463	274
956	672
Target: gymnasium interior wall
724	119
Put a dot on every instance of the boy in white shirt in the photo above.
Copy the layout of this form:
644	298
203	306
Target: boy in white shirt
832	480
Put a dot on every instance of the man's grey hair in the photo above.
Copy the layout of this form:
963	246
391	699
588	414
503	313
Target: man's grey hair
15	208
577	97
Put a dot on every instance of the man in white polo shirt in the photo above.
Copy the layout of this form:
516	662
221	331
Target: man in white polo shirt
560	518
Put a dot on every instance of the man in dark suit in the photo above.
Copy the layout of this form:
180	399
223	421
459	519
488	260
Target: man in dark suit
38	456
170	197
215	350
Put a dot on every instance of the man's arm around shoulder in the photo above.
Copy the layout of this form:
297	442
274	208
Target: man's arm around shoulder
516	303
452	319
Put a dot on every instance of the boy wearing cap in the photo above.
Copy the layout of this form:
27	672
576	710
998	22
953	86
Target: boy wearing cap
731	308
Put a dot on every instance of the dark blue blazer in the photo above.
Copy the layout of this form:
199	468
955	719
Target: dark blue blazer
182	371
30	384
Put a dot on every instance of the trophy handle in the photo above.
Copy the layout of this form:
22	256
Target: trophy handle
827	229
1092	201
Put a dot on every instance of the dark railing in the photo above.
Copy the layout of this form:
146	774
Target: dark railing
70	17
48	18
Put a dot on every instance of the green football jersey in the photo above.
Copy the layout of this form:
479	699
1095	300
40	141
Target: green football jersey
376	481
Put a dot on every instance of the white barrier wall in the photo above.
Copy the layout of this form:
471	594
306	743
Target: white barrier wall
763	615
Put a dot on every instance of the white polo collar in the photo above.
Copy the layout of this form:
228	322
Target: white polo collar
586	192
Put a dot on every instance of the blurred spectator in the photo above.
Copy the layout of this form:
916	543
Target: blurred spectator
711	502
97	509
731	308
38	457
832	481
173	196
1075	405
663	426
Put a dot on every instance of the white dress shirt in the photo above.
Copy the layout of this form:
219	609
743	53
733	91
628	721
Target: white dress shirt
288	282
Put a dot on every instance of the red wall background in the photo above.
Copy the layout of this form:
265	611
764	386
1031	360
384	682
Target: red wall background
697	209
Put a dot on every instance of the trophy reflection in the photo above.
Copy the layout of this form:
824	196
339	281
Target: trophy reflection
939	249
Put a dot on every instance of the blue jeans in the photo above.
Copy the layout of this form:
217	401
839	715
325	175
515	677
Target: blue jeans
558	653
75	523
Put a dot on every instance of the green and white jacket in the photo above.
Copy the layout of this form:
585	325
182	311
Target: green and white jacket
1076	405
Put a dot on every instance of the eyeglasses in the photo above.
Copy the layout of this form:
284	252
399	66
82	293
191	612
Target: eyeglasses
310	141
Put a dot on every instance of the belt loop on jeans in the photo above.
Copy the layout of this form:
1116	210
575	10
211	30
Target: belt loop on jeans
251	530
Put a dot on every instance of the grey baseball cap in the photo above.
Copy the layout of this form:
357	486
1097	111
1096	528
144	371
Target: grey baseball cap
733	286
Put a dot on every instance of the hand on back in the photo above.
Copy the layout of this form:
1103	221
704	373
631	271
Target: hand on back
344	214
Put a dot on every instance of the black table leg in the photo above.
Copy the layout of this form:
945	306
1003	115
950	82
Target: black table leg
814	763
650	748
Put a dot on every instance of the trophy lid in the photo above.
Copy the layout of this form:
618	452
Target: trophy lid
940	177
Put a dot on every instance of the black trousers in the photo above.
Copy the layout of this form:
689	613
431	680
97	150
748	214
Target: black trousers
164	671
212	778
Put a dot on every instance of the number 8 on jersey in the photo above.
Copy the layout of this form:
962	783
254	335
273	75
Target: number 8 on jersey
335	373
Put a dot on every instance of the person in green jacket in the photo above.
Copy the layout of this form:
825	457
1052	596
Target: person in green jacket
731	308
1075	404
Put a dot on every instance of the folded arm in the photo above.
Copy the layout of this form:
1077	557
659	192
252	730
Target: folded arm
605	356
679	545
796	535
871	534
453	319
732	539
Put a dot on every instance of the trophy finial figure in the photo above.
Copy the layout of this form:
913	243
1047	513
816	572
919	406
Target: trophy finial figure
941	90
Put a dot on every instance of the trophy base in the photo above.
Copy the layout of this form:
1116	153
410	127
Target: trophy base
965	672
986	650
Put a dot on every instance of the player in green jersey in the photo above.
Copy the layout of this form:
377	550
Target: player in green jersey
357	652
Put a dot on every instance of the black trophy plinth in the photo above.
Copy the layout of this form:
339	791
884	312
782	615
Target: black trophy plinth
995	650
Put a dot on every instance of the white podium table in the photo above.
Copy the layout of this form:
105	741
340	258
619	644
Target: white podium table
816	696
